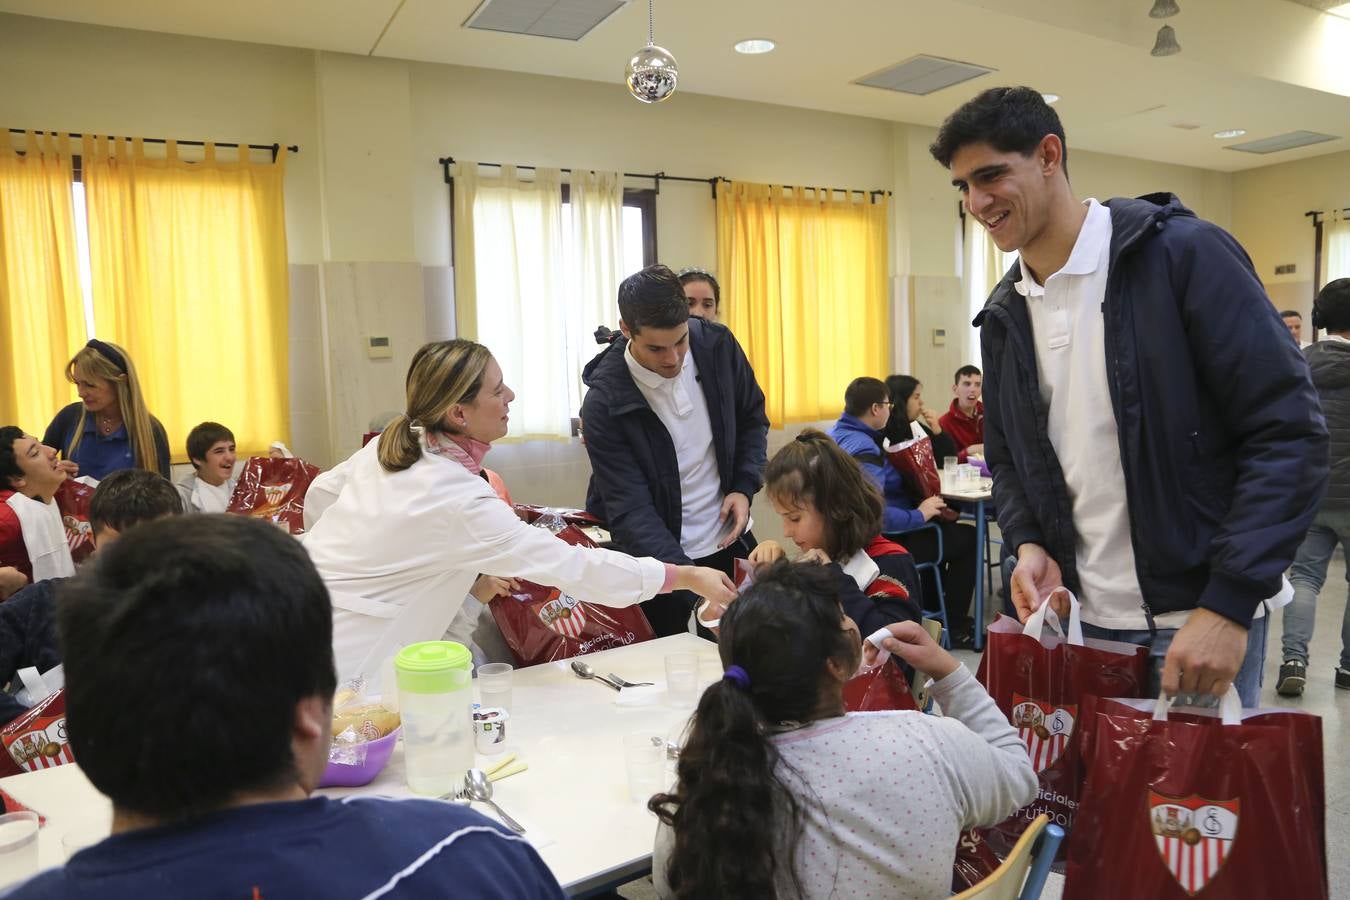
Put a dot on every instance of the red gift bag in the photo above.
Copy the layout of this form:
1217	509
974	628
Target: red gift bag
1199	805
37	739
1039	682
914	460
274	489
542	624
882	687
530	514
72	499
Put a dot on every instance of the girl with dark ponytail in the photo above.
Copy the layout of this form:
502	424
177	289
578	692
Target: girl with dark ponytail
780	794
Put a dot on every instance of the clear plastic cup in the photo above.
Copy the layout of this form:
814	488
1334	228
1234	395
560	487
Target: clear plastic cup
18	846
644	756
494	685
682	679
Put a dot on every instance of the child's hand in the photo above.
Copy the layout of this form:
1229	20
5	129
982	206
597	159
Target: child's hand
817	556
486	587
766	552
931	506
912	643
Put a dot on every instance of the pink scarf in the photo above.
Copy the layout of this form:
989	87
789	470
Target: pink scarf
466	451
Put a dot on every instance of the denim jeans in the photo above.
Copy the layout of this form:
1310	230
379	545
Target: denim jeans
1307	575
1249	677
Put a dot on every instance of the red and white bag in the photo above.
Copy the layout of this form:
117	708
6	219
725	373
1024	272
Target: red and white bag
274	489
37	739
72	499
915	461
1039	681
542	624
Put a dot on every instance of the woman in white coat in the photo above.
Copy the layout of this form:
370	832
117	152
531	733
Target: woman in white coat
402	529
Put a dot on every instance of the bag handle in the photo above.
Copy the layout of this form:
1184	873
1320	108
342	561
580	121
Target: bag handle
1230	707
1036	621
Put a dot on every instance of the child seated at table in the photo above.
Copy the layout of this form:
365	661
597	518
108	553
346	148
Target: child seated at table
27	633
833	513
199	699
780	793
210	448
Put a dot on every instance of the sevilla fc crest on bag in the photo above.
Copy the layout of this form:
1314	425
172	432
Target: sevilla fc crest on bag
72	499
1044	728
1194	836
37	739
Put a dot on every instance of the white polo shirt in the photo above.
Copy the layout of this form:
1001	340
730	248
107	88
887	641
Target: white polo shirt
680	405
1070	340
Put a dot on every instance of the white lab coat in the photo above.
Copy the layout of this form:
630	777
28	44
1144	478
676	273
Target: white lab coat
399	552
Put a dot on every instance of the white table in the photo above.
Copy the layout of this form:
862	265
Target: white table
569	731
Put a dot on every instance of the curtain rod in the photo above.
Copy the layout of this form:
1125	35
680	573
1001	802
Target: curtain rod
658	177
788	187
275	148
1316	214
448	161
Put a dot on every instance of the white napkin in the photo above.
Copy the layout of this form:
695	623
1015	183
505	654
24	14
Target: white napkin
645	695
44	537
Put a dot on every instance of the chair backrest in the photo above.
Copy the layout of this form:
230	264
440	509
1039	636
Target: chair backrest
1023	873
934	629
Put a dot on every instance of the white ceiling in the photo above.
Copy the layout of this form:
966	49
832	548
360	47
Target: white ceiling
1268	66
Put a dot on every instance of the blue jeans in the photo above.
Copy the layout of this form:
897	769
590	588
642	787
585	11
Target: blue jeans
1249	677
1307	575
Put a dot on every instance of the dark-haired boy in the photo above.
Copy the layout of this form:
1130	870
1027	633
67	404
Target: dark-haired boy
677	438
1154	450
27	638
210	447
964	421
220	631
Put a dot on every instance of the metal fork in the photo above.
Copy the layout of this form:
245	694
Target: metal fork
622	683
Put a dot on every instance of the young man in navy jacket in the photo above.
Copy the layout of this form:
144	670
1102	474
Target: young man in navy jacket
1155	449
677	437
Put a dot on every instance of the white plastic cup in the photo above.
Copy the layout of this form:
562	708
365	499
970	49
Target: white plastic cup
644	756
18	846
494	685
682	679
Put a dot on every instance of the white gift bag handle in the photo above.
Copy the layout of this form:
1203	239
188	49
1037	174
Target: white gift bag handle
1230	707
1036	621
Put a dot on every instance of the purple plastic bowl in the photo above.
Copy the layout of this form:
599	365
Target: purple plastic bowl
378	752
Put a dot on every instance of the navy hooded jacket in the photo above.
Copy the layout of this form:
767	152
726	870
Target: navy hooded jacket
1221	437
635	480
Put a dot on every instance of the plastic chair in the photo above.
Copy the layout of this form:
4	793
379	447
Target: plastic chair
936	567
1022	875
934	629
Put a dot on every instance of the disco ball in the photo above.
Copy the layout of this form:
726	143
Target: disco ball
652	74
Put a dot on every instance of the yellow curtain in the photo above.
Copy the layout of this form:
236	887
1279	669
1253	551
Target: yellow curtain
804	286
41	308
188	265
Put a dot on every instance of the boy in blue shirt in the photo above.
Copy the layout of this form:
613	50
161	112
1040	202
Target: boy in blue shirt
199	692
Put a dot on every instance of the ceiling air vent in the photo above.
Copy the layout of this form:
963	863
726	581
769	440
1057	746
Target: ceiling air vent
922	75
568	20
1282	142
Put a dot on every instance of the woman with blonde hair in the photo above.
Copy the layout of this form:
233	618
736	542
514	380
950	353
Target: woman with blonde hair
110	428
402	529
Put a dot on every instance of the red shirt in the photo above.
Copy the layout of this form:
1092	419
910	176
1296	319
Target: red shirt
964	430
13	551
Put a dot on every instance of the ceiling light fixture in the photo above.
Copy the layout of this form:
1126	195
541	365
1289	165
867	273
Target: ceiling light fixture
754	46
1166	44
1342	10
1050	98
1164	9
652	72
1230	133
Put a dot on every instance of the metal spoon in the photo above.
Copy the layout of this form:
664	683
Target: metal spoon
477	786
585	671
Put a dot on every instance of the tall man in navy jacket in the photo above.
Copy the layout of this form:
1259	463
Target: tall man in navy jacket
1155	449
677	436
